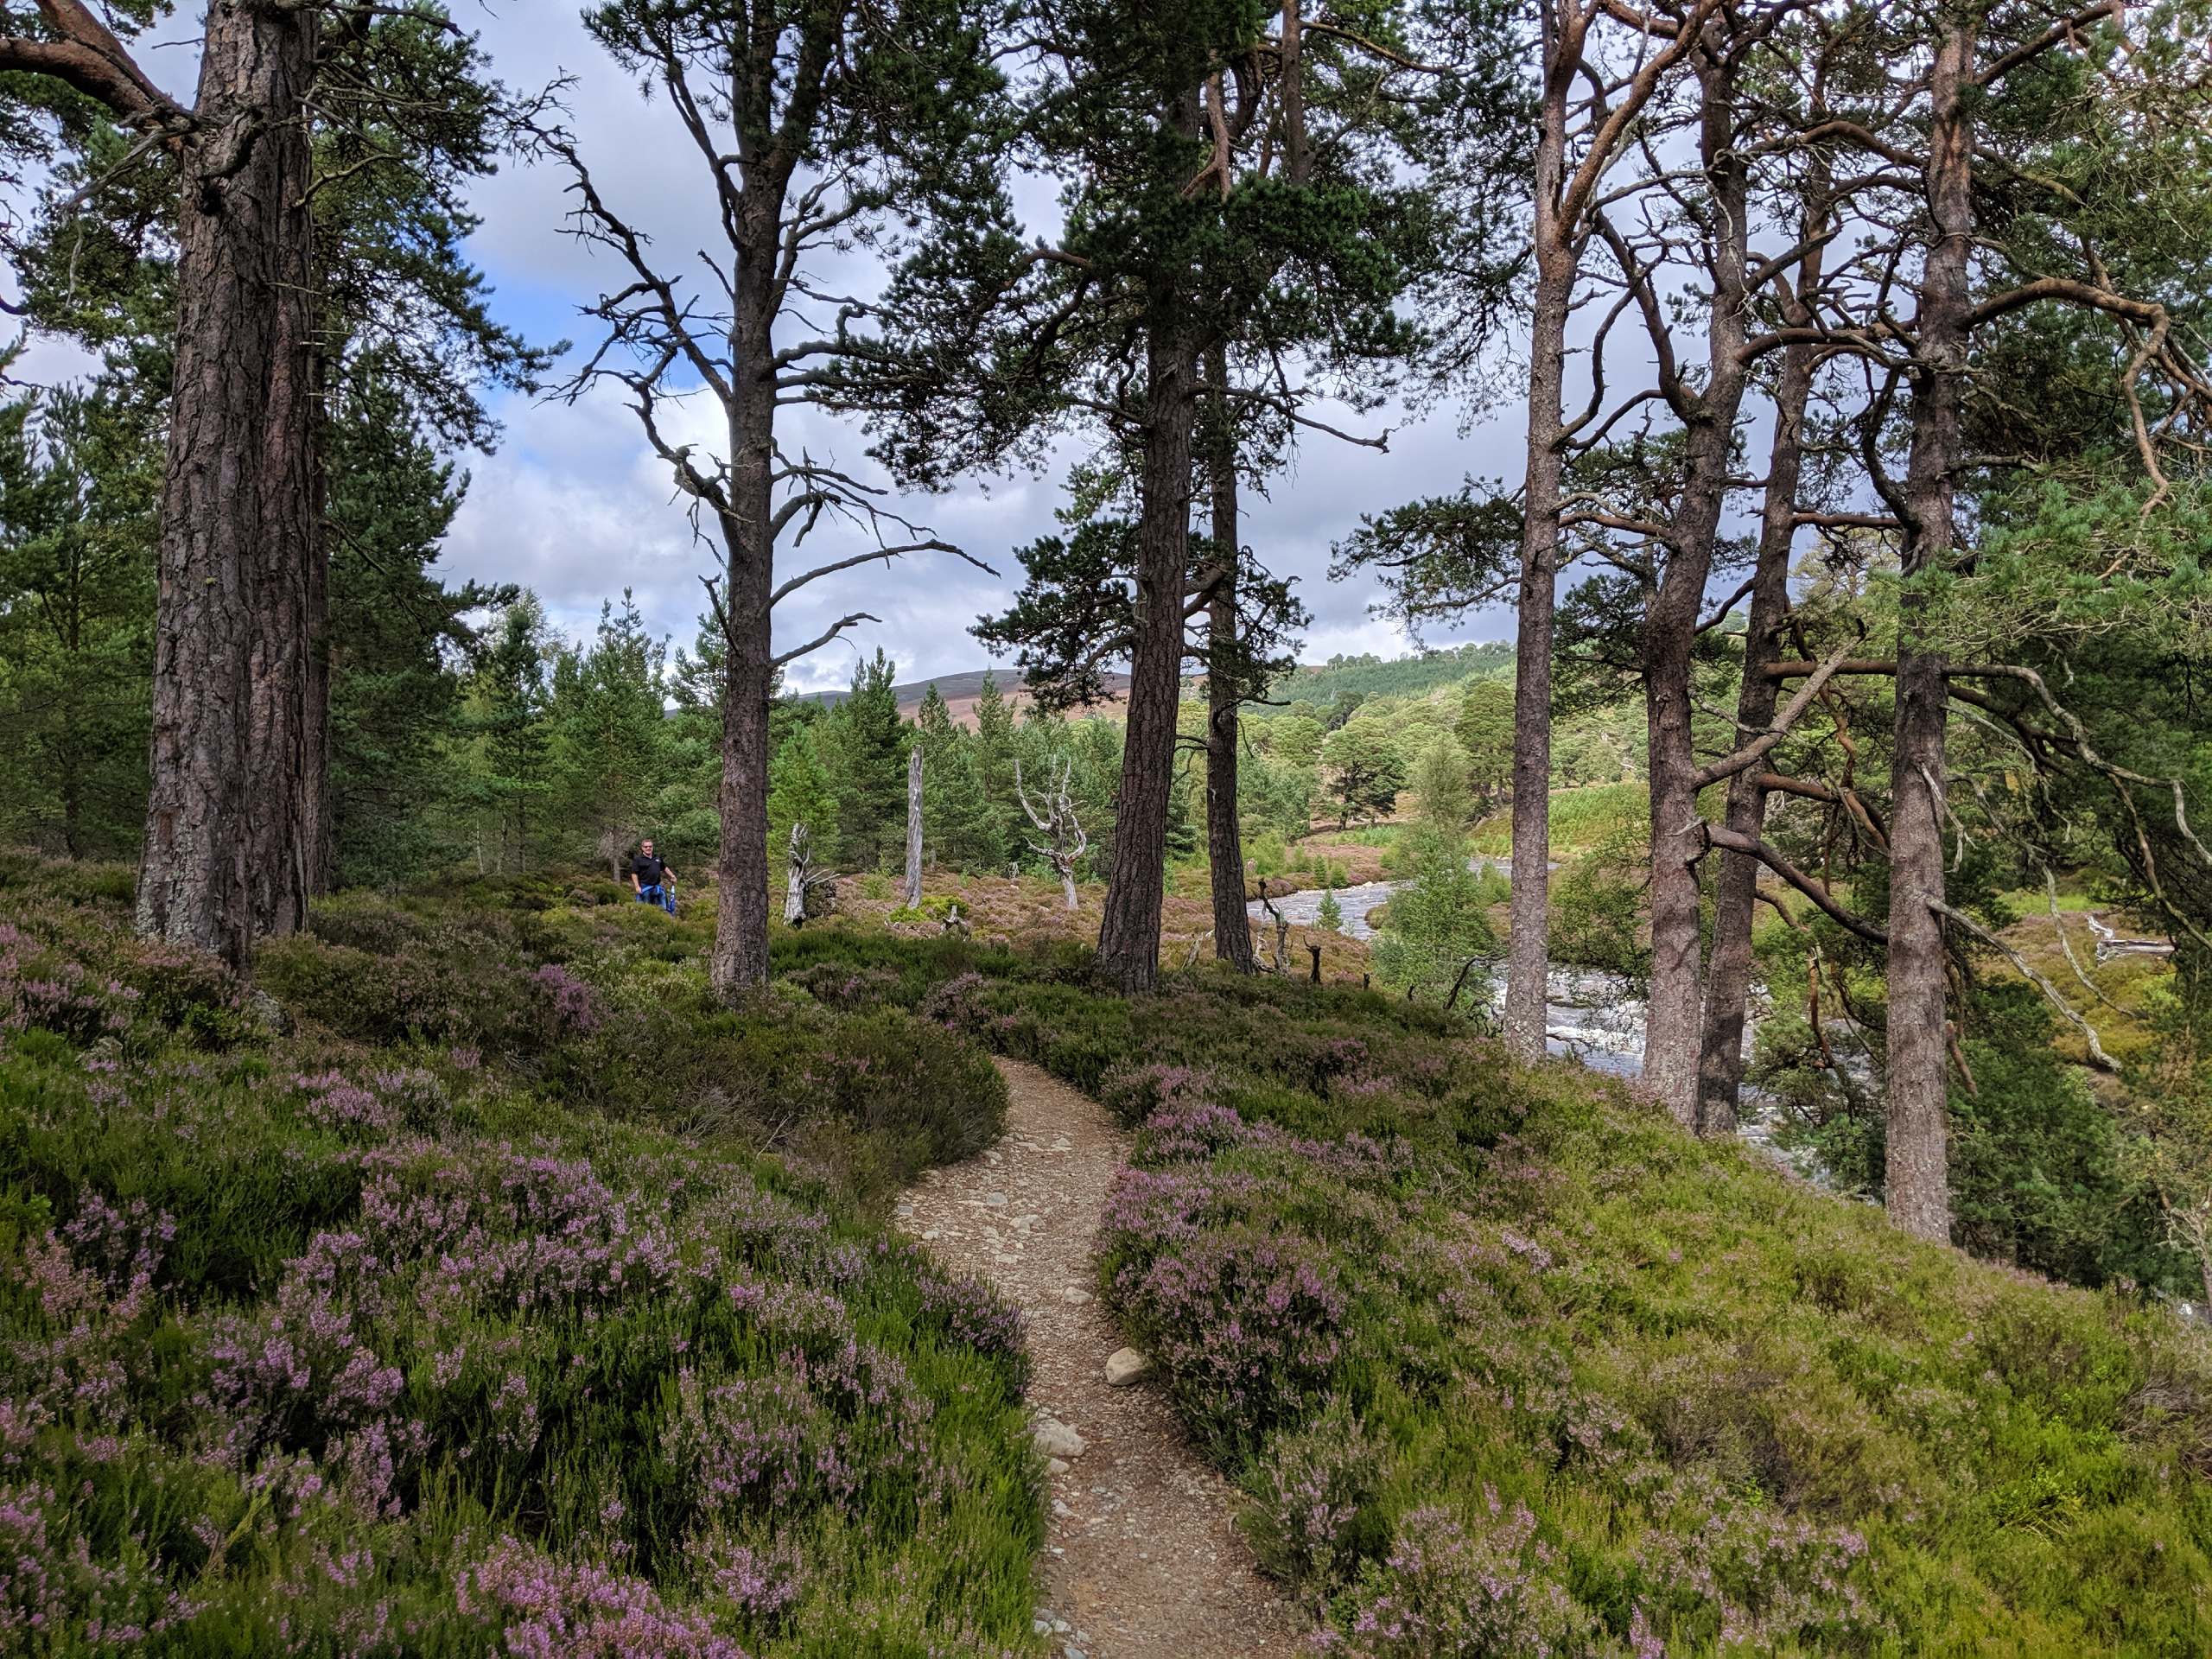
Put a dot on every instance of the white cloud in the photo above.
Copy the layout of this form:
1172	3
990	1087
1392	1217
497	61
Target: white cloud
577	506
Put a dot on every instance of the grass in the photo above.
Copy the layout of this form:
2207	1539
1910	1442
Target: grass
1580	819
1505	1364
1369	835
2125	986
467	1318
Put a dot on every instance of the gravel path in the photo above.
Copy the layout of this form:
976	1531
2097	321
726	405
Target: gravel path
1142	1563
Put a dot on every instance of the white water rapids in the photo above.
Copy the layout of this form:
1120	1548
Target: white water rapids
1590	1015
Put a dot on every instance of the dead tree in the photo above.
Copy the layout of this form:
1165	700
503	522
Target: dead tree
1063	840
759	94
1280	956
802	881
914	827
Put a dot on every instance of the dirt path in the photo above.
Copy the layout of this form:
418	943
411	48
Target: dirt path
1142	1563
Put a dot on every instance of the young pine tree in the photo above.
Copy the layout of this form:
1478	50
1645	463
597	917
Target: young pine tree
994	756
960	829
396	704
867	771
609	701
77	480
1330	915
513	760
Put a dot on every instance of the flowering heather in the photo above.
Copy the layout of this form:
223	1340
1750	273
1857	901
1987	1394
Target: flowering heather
1247	1325
957	1004
1314	1489
1137	1093
575	1009
305	1349
973	1314
55	1597
1478	1588
43	992
539	1608
1509	1366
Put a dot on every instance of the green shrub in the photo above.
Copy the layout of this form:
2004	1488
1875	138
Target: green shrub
1598	905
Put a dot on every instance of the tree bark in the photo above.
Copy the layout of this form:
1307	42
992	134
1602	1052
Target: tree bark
1527	962
1672	1028
231	734
1918	1177
1232	925
291	678
738	964
1128	934
914	826
1728	976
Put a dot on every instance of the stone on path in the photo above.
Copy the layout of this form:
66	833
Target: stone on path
1056	1439
1125	1366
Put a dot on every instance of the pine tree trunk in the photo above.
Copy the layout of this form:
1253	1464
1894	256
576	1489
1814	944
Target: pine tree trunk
72	778
318	809
1728	977
1232	925
1671	1024
1527	951
1673	1021
738	964
914	826
1128	934
284	741
1918	1177
231	734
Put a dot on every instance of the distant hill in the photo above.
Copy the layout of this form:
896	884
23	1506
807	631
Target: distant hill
1392	676
960	691
1320	682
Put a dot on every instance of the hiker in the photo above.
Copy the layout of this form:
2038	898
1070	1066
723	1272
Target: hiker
652	879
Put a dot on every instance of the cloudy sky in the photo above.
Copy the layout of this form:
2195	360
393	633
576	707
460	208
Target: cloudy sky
574	505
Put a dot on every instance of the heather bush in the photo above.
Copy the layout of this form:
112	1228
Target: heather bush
382	1338
1315	1514
1454	1588
1248	1322
589	1005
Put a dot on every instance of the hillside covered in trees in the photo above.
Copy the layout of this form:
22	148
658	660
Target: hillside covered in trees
1687	1131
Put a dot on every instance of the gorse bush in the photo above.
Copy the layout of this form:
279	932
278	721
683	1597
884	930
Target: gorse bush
1507	1365
380	1343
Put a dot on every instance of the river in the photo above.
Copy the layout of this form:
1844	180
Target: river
1590	1015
